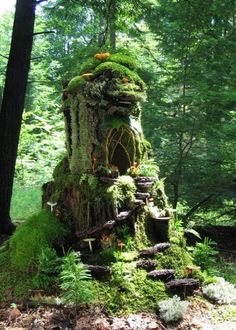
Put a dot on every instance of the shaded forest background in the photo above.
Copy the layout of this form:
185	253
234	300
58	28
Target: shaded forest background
186	55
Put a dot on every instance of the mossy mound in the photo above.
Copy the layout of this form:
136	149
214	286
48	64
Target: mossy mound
125	60
20	256
120	71
75	84
38	232
134	294
175	257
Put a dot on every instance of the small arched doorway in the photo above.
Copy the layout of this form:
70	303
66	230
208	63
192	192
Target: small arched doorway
121	148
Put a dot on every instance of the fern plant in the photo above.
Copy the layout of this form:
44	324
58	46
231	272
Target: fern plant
49	265
75	281
204	255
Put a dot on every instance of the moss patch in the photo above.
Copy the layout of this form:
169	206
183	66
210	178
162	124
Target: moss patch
119	71
75	84
38	232
122	59
175	257
136	294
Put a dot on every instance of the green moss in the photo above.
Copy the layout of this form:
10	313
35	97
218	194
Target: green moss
83	157
175	257
75	84
122	192
119	71
137	294
19	282
38	232
122	59
89	65
141	240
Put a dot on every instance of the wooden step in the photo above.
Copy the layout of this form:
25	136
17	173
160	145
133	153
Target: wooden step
109	224
147	264
182	287
142	195
145	179
162	275
160	247
108	180
99	272
145	185
139	202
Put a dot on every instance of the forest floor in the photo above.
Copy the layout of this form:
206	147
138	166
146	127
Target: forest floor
200	315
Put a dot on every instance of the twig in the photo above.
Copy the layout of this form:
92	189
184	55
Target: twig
43	32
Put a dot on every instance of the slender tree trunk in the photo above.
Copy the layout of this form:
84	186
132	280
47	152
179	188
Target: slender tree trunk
112	25
13	103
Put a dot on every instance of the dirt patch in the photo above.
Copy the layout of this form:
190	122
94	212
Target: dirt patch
200	315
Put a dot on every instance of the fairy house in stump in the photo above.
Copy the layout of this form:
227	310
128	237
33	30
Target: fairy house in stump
107	180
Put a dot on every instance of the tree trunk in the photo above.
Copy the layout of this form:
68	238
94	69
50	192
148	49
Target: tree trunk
13	103
112	25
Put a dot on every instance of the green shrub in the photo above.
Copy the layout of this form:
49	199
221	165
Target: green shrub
11	278
122	59
38	232
75	84
122	192
76	281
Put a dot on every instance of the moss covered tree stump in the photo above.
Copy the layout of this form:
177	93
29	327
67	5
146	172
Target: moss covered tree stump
107	169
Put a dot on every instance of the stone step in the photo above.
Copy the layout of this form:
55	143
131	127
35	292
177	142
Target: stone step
147	264
182	287
162	275
160	247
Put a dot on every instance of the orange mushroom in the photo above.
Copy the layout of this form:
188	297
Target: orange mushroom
101	56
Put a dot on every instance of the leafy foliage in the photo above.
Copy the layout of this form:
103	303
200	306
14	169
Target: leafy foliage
122	192
204	254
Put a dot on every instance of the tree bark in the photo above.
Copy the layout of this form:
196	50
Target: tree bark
13	104
112	25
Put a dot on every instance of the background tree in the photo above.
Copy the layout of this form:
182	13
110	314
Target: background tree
13	103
